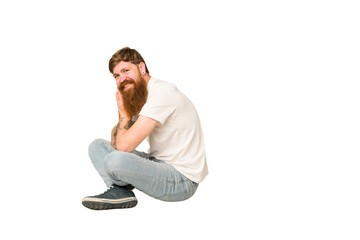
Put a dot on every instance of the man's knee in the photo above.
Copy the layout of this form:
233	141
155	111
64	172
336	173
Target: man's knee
95	145
117	161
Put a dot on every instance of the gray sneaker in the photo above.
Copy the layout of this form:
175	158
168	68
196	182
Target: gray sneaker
114	197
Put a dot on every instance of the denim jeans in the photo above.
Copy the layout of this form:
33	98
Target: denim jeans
147	174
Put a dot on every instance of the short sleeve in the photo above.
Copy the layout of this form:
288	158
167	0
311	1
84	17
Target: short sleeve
158	107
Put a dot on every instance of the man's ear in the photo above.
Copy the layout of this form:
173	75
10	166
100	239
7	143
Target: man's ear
142	67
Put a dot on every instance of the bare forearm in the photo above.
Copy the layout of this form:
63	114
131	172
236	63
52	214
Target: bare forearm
119	130
113	135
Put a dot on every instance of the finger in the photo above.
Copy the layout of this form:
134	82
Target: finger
118	99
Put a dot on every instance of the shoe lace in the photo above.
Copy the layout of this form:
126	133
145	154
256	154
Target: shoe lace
107	191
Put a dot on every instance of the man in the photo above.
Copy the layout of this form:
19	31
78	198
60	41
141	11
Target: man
148	107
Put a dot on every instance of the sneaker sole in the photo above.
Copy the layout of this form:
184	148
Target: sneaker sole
105	204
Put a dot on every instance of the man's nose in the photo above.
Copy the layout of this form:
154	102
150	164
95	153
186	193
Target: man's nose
120	79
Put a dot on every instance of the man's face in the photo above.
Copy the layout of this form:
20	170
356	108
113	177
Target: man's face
125	74
132	86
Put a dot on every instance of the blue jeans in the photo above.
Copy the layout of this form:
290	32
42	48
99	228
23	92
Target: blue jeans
147	174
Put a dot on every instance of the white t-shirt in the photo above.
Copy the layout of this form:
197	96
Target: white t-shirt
177	139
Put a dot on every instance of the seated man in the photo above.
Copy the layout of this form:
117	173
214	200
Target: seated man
148	107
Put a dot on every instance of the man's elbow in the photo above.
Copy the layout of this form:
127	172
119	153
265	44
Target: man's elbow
123	147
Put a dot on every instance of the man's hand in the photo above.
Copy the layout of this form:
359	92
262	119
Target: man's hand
125	122
122	116
120	104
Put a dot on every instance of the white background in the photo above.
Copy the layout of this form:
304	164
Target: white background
275	84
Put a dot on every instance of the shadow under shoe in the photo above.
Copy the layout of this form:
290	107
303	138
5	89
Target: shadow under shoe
115	197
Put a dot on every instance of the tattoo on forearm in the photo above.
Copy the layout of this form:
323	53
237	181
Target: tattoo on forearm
117	128
128	124
115	134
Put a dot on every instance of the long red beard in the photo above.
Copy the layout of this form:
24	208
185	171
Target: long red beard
135	98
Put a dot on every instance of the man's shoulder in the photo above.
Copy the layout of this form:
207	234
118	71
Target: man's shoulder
161	85
159	82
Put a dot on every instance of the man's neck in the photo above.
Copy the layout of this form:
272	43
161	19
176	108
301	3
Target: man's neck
147	78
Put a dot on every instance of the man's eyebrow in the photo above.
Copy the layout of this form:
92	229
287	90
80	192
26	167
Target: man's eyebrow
124	68
121	70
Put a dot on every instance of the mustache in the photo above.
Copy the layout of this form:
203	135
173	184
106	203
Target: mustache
126	82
